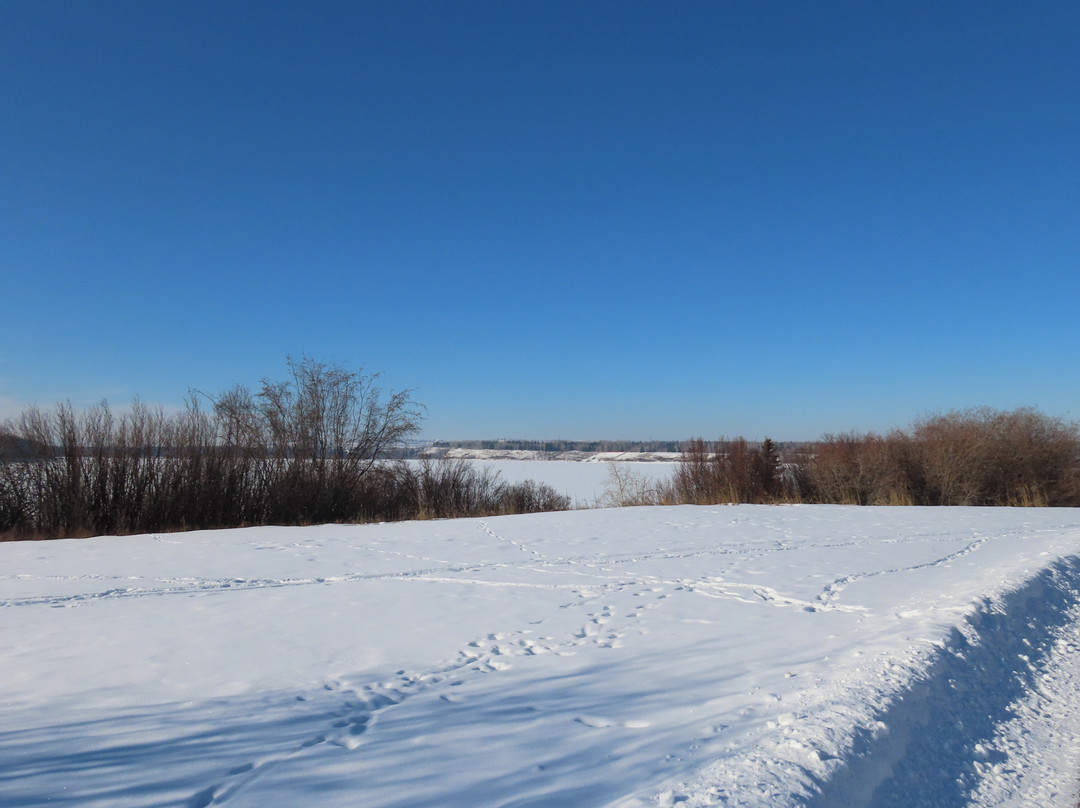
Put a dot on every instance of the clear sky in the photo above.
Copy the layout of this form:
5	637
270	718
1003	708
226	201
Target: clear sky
601	219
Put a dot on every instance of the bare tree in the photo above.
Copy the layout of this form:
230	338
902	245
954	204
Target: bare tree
327	413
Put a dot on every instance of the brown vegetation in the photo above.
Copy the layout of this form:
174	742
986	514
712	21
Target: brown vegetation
972	457
303	451
313	449
735	472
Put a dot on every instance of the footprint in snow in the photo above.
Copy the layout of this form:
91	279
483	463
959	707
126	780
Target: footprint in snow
599	722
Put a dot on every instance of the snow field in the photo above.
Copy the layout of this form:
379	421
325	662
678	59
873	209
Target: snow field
734	656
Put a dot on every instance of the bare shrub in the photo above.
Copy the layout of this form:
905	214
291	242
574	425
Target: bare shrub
694	480
319	433
626	487
447	488
835	470
296	452
530	496
862	469
736	472
987	457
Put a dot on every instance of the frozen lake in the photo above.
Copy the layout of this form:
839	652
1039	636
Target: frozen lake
584	482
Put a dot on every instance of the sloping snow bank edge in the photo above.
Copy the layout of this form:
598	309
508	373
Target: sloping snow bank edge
965	721
935	742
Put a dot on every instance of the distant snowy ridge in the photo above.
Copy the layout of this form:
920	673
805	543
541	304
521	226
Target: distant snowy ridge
526	454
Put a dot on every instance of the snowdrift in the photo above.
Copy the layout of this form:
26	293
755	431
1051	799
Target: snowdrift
726	656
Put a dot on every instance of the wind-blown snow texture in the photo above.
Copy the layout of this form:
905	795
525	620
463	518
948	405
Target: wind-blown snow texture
726	656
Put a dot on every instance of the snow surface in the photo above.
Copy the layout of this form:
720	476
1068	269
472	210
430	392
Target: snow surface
698	656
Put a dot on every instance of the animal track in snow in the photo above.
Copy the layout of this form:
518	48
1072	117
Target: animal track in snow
599	722
759	593
362	706
833	590
484	526
745	592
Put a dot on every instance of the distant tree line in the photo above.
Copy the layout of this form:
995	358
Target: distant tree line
566	445
309	449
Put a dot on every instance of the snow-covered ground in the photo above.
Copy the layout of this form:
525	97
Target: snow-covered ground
726	656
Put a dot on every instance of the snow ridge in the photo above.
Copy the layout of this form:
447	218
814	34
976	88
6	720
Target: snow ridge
928	740
942	741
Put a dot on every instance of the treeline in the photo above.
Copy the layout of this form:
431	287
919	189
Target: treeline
978	456
566	445
310	449
316	448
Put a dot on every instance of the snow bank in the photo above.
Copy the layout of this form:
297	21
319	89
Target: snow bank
941	728
736	656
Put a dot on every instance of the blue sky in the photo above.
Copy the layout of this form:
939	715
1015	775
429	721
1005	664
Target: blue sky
549	219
